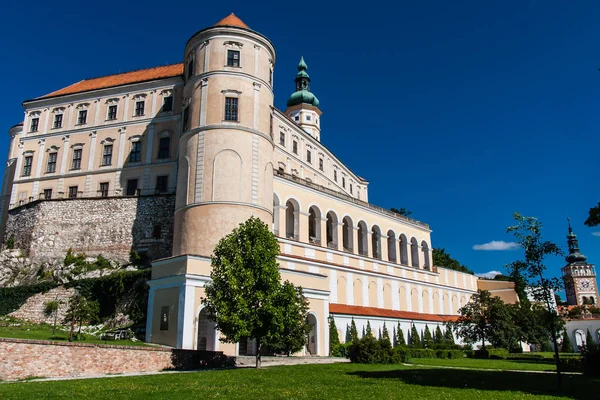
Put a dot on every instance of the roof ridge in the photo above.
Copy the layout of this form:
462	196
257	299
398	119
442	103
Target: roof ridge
128	72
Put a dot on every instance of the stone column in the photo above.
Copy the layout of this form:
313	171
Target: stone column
302	219
384	248
355	240
324	232
279	228
339	245
369	244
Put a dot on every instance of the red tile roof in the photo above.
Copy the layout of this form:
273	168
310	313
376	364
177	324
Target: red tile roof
141	75
232	20
383	312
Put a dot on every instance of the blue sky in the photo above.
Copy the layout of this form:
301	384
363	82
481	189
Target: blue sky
464	112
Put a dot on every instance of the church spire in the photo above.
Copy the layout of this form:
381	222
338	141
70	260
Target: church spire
303	105
574	255
302	95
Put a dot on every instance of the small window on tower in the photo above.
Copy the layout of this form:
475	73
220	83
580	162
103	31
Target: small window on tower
308	117
297	118
233	58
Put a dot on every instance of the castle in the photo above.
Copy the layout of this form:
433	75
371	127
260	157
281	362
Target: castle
168	160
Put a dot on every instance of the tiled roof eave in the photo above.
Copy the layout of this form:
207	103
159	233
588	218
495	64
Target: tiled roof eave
386	313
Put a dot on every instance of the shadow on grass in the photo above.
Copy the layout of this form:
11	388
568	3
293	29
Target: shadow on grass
574	386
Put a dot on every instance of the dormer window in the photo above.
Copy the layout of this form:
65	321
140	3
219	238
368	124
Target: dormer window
233	58
297	118
308	117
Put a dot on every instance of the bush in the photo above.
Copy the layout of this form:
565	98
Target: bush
570	364
14	297
481	353
470	353
498	354
369	350
590	360
339	350
10	243
442	354
421	353
456	354
50	308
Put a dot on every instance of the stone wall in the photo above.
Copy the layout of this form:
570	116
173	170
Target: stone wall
34	308
20	358
46	229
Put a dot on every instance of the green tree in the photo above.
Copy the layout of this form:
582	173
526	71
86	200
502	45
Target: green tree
566	346
334	337
415	338
402	211
386	335
353	331
443	259
439	336
449	337
401	340
81	310
593	216
245	297
369	331
528	234
589	341
294	310
427	339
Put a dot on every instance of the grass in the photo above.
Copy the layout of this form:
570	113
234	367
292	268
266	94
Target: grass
25	330
521	365
331	381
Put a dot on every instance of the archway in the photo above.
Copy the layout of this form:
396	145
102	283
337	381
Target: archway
403	250
275	214
332	230
314	225
376	241
347	234
425	248
414	252
206	332
362	239
391	245
579	339
291	220
312	347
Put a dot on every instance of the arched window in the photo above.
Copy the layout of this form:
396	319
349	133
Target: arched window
391	241
414	252
291	220
314	225
592	300
426	263
347	234
362	239
584	300
275	214
332	230
376	241
403	250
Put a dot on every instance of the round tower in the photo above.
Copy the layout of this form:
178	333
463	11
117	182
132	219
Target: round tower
226	147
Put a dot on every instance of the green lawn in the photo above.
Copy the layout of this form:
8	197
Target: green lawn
333	381
523	365
26	330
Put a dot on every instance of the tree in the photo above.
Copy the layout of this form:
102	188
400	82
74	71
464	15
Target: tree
386	335
368	331
589	341
245	297
81	309
484	318
401	340
334	337
353	331
566	346
294	310
415	338
443	259
427	338
402	211
449	337
528	234
593	217
438	338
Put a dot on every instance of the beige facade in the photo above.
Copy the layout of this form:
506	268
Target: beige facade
232	155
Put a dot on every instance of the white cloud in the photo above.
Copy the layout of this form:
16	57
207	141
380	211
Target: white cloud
497	245
596	233
489	275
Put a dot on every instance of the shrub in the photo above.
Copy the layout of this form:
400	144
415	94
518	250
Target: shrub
498	353
50	307
369	350
456	354
590	360
481	353
441	354
10	243
339	350
570	364
421	353
470	353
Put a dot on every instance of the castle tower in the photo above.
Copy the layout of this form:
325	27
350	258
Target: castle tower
303	106
579	276
226	148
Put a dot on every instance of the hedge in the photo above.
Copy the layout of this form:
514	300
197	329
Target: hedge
12	298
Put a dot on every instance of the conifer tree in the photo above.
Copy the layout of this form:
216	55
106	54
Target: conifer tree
566	346
449	337
415	339
386	335
427	339
439	336
379	336
348	336
353	331
401	340
589	341
395	337
369	331
363	332
334	337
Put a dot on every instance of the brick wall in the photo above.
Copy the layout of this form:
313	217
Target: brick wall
20	358
45	230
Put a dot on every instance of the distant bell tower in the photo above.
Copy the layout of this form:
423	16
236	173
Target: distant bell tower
303	106
579	276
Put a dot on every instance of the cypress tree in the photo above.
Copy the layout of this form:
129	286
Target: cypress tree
589	341
348	336
334	337
415	339
400	334
353	331
395	337
427	339
386	335
379	335
363	332
566	346
369	331
449	337
439	336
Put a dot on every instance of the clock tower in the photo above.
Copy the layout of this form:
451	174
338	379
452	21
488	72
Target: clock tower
578	275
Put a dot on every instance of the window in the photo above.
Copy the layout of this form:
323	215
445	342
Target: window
156	232
186	115
343	182
350	188
231	109
308	156
35	123
112	112
168	104
107	155
76	164
72	192
321	164
297	118
103	189
270	77
282	138
233	58
295	147
131	187
308	118
139	108
82	117
136	152
47	194
51	162
335	175
58	121
190	71
162	183
164	148
27	165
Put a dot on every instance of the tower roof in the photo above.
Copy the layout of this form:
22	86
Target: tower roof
232	20
302	95
574	255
